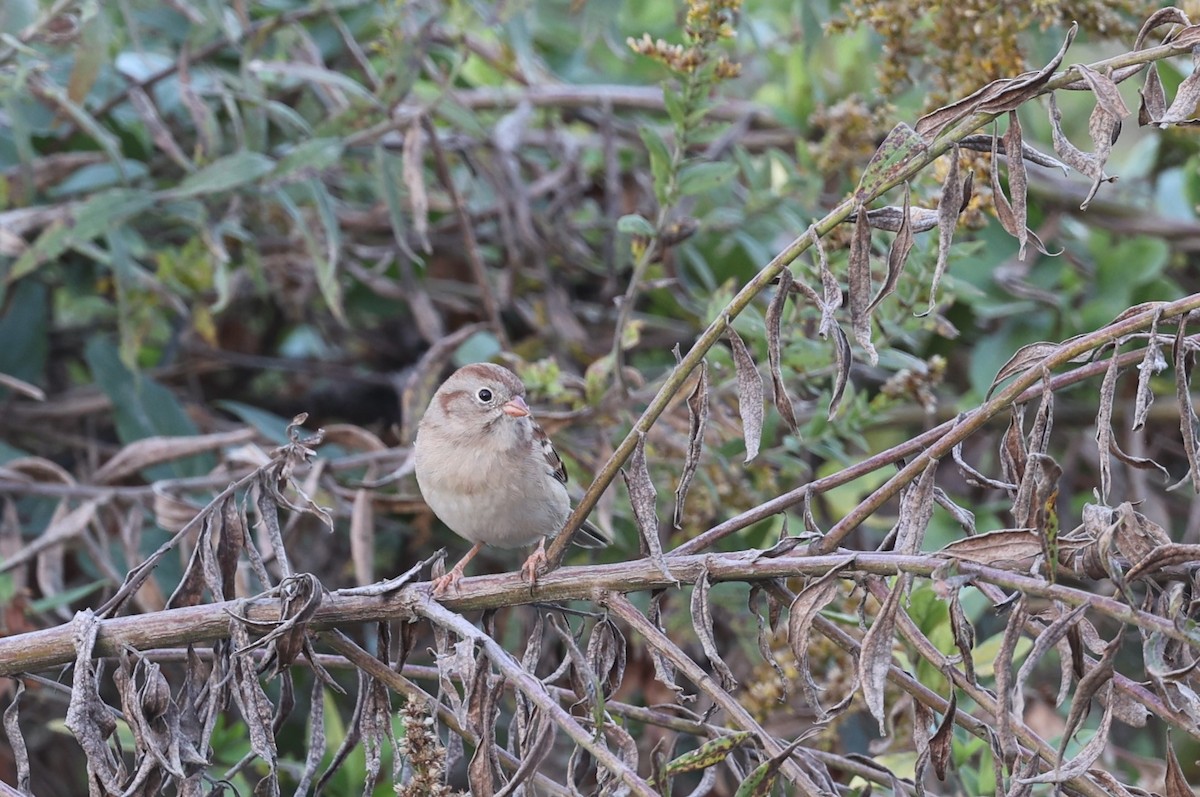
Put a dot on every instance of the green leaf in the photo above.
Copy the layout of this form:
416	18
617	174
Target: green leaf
697	178
25	330
708	754
633	224
268	424
98	176
93	218
660	160
309	157
143	408
224	174
480	347
52	602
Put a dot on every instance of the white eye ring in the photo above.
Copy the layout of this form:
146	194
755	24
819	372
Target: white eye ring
484	395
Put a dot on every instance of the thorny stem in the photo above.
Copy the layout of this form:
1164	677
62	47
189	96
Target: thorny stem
676	379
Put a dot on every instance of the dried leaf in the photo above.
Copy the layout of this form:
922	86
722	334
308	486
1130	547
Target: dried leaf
1048	638
900	147
860	285
1018	184
975	477
1012	215
1104	435
875	655
664	670
1087	755
643	498
897	255
764	639
940	744
997	97
702	621
1024	359
16	741
964	634
843	357
1176	785
831	291
949	207
412	160
981	142
916	510
697	419
1186	98
1183	394
750	391
783	401
1153	99
1004	691
805	607
892	218
1082	162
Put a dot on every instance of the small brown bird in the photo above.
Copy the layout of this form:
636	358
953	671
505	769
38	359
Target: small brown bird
489	472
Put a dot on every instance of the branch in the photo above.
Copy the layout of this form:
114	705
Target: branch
51	647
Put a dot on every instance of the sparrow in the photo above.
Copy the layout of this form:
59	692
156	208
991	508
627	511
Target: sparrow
489	472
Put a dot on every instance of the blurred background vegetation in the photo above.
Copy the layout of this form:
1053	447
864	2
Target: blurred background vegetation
216	215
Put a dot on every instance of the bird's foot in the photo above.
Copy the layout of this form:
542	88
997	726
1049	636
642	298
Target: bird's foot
535	564
448	583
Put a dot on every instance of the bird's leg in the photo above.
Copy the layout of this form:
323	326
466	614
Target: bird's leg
536	561
451	579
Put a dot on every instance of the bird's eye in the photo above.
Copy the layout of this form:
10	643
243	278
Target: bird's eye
484	395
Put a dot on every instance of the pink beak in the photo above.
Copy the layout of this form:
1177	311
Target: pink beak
516	407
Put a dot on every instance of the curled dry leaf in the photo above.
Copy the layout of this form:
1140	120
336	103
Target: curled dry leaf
940	744
1152	363
831	291
702	621
1004	680
898	252
860	285
875	655
697	404
1104	435
997	97
1025	358
916	510
949	207
750	391
643	498
1086	164
1153	103
764	639
1012	215
891	218
973	476
843	357
1176	785
1186	98
664	670
805	607
1183	394
783	401
981	142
